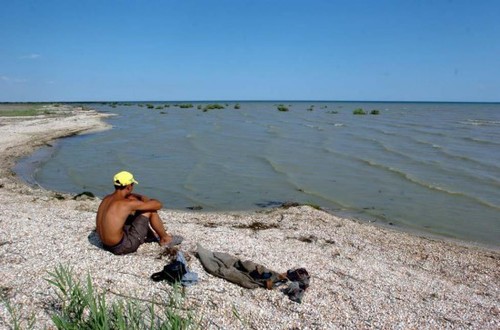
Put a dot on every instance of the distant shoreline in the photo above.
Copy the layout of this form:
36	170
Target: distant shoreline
222	101
63	121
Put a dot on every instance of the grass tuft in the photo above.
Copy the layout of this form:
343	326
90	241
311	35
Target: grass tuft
16	319
82	307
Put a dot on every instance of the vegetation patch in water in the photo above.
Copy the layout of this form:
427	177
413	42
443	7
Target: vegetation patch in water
212	107
282	107
359	111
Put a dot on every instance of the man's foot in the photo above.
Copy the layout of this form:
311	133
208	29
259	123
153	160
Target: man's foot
152	237
171	240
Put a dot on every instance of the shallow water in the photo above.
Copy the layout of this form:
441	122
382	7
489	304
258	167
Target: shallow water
431	167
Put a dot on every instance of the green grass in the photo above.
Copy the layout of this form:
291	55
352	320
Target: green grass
81	306
212	107
24	110
282	108
16	319
20	113
359	111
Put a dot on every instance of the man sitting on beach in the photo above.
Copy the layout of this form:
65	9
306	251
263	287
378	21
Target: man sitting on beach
123	219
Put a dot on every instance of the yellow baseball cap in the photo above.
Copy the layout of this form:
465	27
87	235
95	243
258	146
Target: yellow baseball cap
123	178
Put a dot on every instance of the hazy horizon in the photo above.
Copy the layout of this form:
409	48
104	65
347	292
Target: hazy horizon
256	100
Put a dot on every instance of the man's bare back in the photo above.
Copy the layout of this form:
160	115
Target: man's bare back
111	217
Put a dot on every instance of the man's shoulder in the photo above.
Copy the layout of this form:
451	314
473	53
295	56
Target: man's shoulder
112	199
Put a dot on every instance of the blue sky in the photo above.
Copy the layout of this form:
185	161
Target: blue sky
249	50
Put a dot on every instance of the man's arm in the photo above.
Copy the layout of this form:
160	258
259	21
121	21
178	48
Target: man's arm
141	205
143	198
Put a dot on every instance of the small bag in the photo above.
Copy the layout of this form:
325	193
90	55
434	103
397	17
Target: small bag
172	273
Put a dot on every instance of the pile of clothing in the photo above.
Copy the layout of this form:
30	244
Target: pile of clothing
177	271
245	273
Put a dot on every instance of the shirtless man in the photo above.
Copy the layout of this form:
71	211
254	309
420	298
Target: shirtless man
123	219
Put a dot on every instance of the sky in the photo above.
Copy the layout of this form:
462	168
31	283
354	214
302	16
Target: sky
400	50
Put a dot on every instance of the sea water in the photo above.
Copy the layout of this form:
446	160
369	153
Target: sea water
430	167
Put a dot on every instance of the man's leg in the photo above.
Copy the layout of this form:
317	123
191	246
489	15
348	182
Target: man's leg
157	225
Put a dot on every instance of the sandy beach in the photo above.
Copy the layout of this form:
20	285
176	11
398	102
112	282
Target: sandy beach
362	275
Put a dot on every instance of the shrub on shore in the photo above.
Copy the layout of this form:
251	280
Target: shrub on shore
186	106
374	112
359	111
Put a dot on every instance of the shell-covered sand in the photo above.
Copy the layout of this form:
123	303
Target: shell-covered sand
362	276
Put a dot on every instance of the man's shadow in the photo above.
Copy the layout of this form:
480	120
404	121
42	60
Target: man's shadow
95	240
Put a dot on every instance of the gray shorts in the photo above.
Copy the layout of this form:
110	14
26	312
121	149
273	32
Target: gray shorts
135	232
